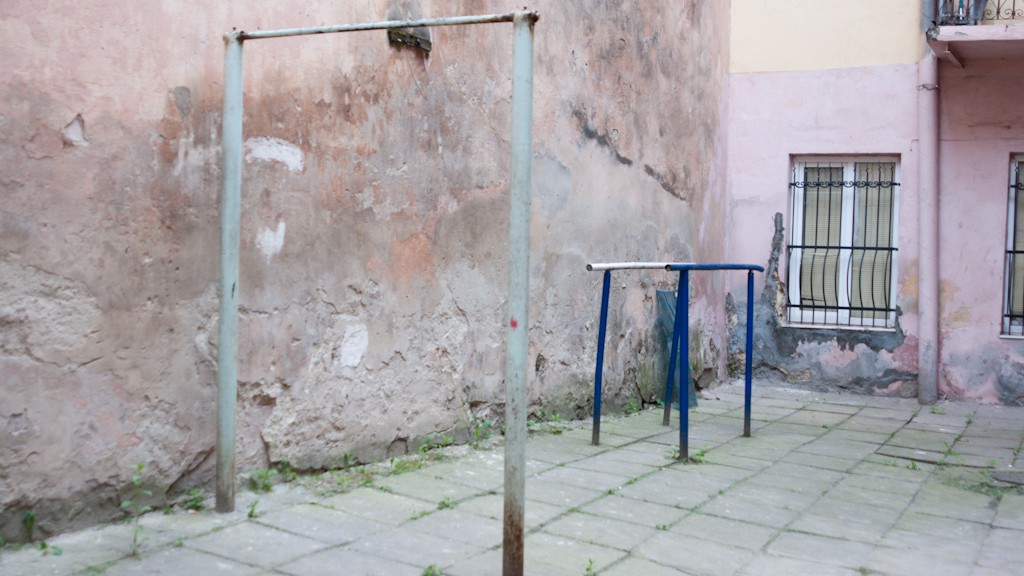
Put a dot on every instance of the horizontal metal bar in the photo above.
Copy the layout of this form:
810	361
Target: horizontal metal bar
691	266
826	307
628	266
826	247
385	25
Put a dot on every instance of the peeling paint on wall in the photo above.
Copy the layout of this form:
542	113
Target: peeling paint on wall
268	149
270	241
821	358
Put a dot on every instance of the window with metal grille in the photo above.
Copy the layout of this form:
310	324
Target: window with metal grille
842	251
1013	299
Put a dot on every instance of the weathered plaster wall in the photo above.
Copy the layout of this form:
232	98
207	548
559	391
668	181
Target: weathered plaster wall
373	234
845	111
980	128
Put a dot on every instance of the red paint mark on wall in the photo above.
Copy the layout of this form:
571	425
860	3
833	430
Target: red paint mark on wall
513	323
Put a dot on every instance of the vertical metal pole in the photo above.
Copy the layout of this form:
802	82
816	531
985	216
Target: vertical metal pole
598	372
683	313
518	294
230	222
672	357
667	414
750	353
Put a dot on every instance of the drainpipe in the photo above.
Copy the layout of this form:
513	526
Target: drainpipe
928	226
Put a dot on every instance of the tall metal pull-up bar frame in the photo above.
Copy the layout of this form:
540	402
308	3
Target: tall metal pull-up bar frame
517	322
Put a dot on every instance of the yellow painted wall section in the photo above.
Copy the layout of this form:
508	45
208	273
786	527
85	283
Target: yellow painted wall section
769	35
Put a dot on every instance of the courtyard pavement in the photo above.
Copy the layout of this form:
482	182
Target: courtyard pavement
828	484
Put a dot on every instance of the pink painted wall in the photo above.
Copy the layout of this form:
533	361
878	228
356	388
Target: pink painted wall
776	115
981	126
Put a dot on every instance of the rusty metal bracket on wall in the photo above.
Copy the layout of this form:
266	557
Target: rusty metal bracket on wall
517	322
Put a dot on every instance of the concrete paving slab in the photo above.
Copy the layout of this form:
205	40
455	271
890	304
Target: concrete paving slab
693	555
337	561
372	504
951	502
493	506
320	523
800	473
942	527
812	548
410	546
559	494
254	544
832	445
1011	512
1002	551
862	423
546	555
460	525
766	565
836	407
819	461
841	519
632	510
952	548
903	562
590	479
808	485
634	566
423	485
892	468
605	463
870	495
670	488
601	531
724	531
816	418
725	457
473	474
752	511
178	561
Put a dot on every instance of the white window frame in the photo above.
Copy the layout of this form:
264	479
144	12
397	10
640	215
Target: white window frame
798	316
1011	327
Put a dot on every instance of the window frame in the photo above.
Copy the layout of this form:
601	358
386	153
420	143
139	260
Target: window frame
1012	325
797	314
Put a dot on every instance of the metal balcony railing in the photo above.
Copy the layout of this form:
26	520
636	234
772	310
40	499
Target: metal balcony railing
971	12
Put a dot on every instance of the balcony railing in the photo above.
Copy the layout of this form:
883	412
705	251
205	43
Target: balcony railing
971	12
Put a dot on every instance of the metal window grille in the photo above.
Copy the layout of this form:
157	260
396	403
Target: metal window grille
972	12
1013	300
842	251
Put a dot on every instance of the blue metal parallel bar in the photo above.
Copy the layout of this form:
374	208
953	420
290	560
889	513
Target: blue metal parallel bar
673	358
680	338
749	354
596	436
607	268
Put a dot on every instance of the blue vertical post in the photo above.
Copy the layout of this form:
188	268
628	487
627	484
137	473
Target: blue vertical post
673	346
606	288
750	353
683	313
673	355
